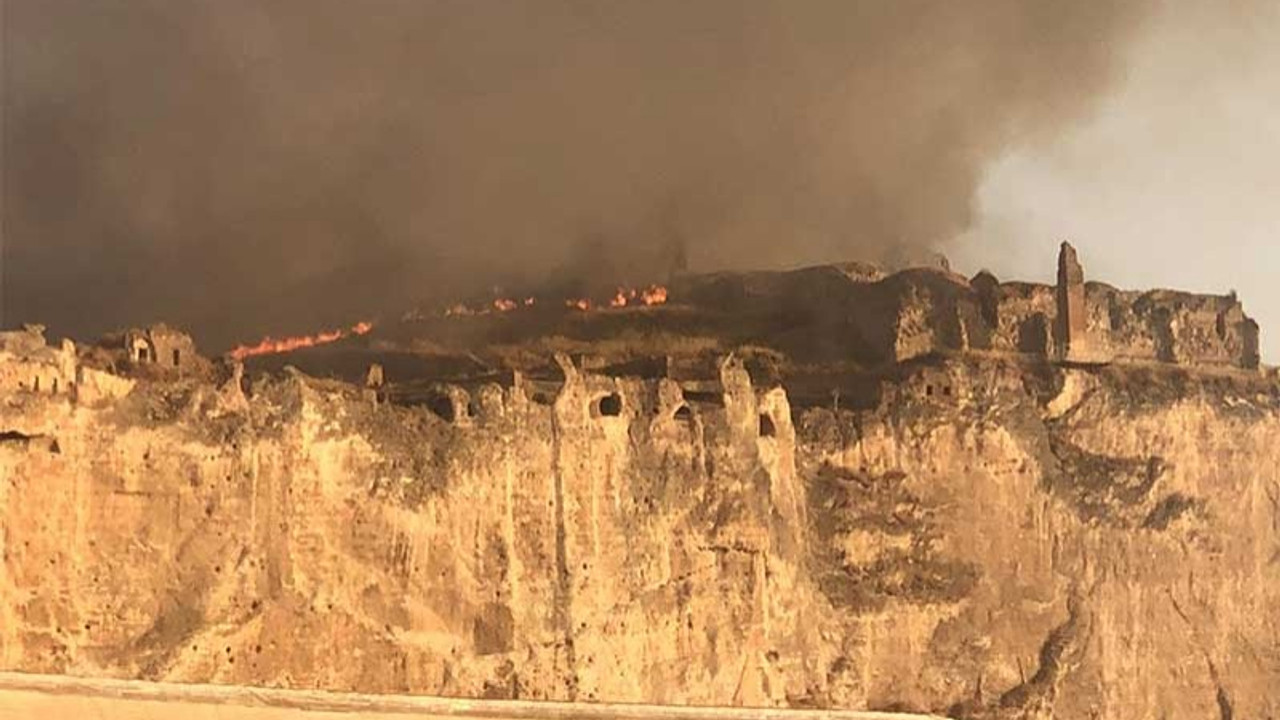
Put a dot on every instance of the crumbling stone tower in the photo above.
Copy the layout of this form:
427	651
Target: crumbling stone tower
1072	328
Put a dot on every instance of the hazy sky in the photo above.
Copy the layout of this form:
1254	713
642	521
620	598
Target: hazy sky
242	167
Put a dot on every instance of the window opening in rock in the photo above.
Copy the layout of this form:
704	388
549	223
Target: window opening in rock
767	428
609	406
442	406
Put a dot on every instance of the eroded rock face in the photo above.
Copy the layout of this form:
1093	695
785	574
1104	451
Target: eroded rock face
994	540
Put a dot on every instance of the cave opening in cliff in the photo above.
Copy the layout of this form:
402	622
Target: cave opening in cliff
608	406
767	428
442	406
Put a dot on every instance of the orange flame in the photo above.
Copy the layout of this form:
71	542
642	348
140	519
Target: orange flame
654	295
624	297
273	346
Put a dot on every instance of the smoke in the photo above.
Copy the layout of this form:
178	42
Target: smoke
253	166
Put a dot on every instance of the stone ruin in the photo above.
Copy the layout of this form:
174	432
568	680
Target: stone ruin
1096	323
28	363
163	347
849	315
845	314
107	370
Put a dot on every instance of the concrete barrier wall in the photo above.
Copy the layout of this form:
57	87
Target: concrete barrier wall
45	697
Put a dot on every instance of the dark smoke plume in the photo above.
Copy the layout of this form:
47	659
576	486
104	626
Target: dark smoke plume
251	166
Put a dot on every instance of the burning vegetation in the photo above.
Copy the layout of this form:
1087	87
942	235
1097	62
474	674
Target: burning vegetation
272	346
647	296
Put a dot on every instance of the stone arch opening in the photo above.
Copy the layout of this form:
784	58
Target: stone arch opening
608	405
767	428
684	414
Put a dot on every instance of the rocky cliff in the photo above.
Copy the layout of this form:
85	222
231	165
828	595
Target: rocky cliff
992	536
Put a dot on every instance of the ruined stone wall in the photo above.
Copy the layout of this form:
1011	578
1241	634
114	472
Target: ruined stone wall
829	315
163	349
931	313
37	376
94	386
1092	543
28	364
174	349
1174	327
1024	315
1154	326
915	313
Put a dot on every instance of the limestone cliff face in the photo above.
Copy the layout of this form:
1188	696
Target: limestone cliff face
994	540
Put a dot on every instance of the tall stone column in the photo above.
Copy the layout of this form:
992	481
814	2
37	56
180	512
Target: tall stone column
1072	330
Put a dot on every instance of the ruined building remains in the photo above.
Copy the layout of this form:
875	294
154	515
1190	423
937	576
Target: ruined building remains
847	313
161	346
28	363
1073	323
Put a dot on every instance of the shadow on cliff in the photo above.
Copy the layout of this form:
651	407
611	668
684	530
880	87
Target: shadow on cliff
879	543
